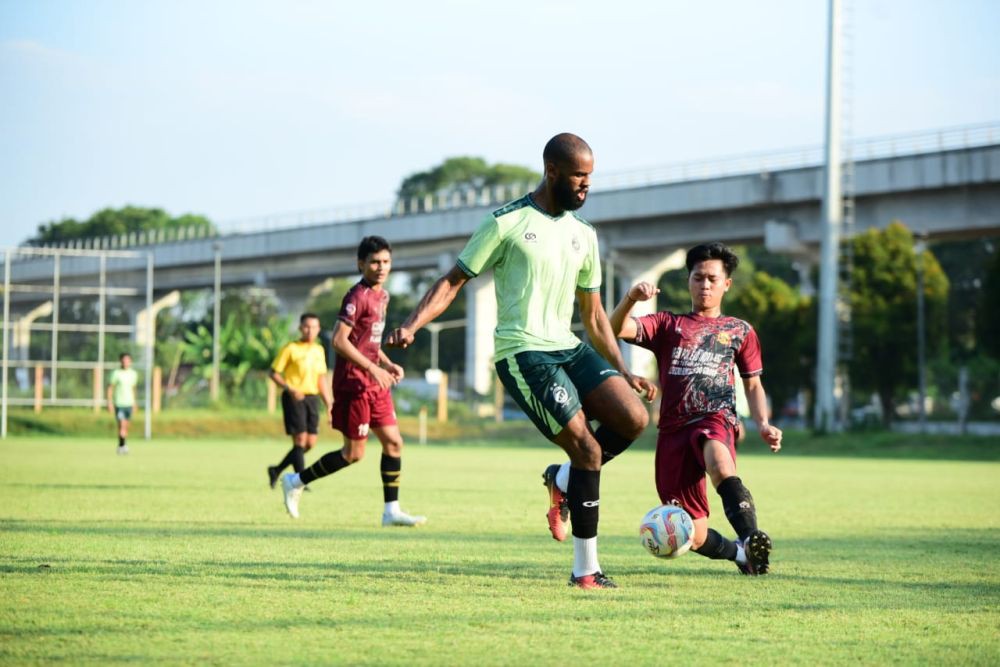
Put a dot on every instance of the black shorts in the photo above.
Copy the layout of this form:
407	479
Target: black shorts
300	416
548	385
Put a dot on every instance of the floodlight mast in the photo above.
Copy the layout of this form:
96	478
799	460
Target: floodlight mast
833	214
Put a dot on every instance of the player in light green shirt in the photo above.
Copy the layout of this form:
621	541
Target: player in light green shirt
544	258
121	397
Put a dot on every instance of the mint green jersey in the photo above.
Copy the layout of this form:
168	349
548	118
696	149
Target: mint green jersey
538	262
123	381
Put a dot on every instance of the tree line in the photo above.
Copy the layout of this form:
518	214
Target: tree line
961	289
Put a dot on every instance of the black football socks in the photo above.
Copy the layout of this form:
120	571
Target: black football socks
327	465
739	507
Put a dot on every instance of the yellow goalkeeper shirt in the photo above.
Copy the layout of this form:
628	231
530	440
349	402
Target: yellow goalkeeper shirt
302	365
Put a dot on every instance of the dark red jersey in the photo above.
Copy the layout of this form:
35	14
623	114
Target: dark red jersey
696	356
363	309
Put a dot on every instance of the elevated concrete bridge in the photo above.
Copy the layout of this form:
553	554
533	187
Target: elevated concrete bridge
942	192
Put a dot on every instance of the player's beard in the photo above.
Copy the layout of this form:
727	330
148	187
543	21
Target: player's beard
565	196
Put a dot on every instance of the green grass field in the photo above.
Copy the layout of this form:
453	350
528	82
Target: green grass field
179	553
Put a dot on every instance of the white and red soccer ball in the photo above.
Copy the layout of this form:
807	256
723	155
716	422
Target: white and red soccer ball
666	531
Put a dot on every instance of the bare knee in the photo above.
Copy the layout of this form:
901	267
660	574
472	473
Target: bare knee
583	451
636	421
393	448
719	462
353	451
717	477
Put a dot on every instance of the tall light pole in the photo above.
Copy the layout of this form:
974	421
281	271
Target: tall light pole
833	214
919	247
216	312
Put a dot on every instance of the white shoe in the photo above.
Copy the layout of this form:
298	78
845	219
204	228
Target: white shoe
292	495
402	519
123	450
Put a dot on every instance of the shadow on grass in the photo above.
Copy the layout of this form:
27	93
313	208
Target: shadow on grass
882	444
53	486
440	554
189	529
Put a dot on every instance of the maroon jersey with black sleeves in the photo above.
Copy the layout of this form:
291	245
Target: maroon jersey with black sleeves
363	309
696	356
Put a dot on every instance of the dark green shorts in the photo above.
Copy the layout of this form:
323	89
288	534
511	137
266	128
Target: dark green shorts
548	385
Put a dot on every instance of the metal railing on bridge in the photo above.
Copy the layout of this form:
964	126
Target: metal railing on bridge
952	138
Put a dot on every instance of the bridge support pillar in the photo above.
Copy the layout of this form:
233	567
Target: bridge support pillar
145	319
635	267
480	321
22	340
783	236
292	301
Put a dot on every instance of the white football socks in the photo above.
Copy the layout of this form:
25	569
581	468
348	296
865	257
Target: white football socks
562	477
585	556
392	507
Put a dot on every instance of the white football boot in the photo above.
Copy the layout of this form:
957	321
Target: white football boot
292	494
401	518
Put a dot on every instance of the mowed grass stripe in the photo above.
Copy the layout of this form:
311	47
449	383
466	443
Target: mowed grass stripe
180	553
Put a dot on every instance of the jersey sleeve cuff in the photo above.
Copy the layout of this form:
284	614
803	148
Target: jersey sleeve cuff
589	289
469	272
759	371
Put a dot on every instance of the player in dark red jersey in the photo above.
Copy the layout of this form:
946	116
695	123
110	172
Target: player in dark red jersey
698	424
362	381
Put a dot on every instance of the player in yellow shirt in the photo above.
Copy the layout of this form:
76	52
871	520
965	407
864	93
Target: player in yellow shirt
300	369
121	398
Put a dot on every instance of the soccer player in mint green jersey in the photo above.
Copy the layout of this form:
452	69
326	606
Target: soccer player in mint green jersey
121	397
544	258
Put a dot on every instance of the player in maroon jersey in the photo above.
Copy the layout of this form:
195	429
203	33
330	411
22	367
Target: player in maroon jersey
362	381
698	424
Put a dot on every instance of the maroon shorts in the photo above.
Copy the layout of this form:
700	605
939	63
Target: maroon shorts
680	462
355	414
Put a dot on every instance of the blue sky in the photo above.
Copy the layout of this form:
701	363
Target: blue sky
235	109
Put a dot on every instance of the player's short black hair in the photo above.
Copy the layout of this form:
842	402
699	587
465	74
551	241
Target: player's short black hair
123	355
715	250
372	244
308	316
563	147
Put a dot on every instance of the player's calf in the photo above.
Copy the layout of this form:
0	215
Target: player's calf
739	507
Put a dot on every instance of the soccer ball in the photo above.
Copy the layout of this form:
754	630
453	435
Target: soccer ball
666	531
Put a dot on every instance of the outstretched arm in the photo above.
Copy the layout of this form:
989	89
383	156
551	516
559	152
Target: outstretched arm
595	321
757	400
433	303
623	325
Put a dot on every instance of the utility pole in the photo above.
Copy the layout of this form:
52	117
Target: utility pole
826	353
216	314
920	247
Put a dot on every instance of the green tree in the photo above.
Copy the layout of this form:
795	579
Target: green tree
252	332
785	323
243	348
114	222
966	263
883	302
461	173
988	323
